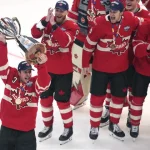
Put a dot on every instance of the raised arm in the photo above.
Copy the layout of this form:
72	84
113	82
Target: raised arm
4	67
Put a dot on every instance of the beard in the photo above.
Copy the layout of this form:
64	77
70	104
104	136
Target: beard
60	20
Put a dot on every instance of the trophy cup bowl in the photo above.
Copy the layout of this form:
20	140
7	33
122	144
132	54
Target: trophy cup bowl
11	28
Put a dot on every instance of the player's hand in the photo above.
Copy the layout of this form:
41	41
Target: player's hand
49	14
86	71
42	58
2	38
52	21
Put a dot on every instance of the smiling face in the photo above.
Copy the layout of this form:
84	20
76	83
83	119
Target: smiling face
131	5
60	15
25	75
115	16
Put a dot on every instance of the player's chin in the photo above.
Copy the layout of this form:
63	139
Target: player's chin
58	19
129	8
26	80
113	20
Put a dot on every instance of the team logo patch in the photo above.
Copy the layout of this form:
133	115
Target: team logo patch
126	28
29	84
75	56
82	20
120	47
61	92
63	29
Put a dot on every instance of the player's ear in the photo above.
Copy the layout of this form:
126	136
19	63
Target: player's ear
121	13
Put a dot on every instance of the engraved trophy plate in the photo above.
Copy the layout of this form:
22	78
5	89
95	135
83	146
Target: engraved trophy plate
11	28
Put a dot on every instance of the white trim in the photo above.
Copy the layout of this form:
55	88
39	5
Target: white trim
108	91
2	68
64	111
70	40
108	99
8	99
90	42
73	12
134	48
87	49
39	25
95	119
130	93
32	104
96	109
116	106
106	40
64	50
136	107
101	13
3	77
46	35
46	109
40	87
115	115
68	120
107	49
135	117
47	119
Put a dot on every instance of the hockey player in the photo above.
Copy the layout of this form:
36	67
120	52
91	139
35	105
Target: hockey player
20	101
141	78
132	6
58	34
109	41
83	12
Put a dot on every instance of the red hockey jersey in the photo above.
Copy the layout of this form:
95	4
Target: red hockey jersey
95	8
58	43
142	56
146	3
142	14
99	40
20	116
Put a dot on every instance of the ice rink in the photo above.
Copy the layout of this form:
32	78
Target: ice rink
29	12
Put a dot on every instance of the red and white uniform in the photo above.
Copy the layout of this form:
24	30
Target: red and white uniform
20	116
97	9
142	13
58	44
142	61
101	36
142	64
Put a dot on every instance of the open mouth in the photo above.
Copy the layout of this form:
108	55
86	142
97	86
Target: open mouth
27	78
128	5
59	17
112	18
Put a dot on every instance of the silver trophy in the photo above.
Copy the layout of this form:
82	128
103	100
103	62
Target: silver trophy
11	28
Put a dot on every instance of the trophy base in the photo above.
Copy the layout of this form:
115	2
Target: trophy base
34	52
